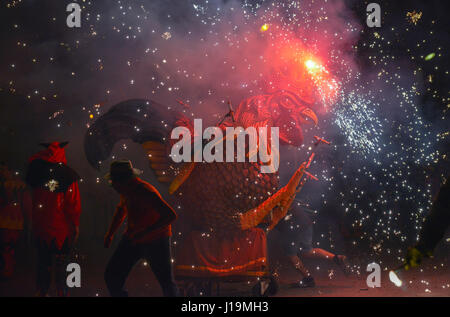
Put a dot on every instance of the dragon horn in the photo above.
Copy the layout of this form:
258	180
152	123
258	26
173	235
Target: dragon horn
282	199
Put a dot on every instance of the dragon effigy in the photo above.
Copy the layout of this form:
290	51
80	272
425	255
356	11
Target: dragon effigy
224	201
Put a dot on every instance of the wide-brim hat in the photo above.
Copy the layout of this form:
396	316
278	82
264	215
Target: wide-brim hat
122	169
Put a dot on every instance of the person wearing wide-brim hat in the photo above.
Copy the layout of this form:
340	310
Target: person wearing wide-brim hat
148	233
122	169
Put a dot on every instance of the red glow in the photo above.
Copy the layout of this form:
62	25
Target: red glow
296	68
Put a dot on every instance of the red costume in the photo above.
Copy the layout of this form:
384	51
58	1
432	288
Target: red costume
55	213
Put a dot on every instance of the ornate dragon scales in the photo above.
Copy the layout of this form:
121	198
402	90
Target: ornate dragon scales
219	197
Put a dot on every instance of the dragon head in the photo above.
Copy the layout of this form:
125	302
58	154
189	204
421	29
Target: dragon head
283	109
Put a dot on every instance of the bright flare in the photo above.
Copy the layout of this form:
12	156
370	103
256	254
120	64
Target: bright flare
394	279
311	65
264	27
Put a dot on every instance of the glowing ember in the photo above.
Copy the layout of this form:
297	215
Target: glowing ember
311	65
394	279
430	56
414	16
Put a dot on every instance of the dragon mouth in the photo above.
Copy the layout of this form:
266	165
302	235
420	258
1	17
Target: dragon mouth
307	115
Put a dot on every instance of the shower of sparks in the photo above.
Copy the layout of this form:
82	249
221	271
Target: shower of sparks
377	170
327	86
356	117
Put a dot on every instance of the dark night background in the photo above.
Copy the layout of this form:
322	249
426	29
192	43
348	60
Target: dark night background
46	67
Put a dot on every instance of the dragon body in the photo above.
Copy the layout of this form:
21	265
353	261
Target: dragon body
218	197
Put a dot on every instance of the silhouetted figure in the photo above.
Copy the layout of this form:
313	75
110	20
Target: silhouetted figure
149	220
296	239
433	229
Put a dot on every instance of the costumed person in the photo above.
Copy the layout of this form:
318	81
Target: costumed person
56	214
148	232
15	208
436	224
296	230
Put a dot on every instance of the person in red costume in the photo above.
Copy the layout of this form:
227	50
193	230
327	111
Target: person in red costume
15	208
55	213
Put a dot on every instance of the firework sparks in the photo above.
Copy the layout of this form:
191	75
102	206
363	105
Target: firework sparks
382	145
264	27
430	56
414	16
